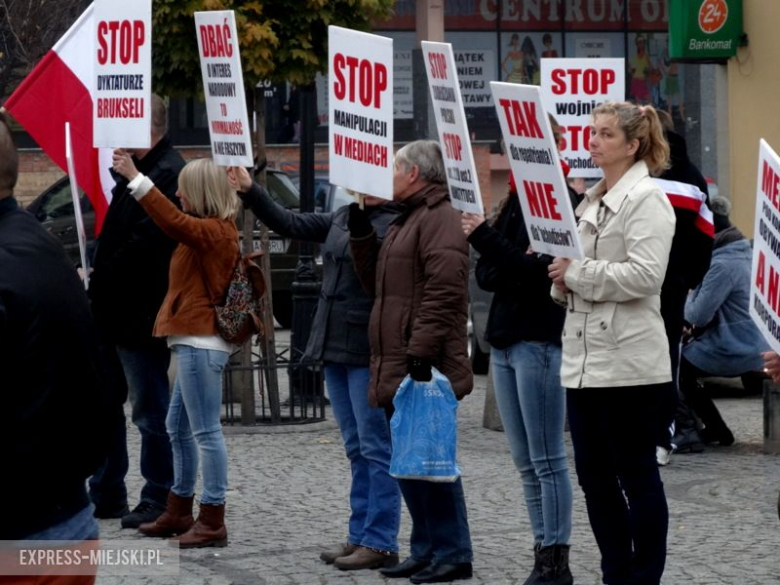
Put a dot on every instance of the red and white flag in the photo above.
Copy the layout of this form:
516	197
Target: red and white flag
58	91
690	197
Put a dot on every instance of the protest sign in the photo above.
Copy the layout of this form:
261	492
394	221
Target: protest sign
76	197
454	137
765	276
533	158
122	79
571	89
223	87
360	101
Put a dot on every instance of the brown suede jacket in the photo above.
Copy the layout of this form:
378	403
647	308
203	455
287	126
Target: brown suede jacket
419	277
201	267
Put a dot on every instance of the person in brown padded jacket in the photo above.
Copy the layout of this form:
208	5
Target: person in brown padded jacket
419	280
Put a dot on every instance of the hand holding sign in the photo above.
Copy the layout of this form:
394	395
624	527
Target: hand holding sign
239	179
557	272
471	221
124	165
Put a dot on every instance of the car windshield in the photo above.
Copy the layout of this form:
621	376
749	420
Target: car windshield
282	190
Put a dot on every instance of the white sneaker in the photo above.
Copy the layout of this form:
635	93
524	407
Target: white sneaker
663	456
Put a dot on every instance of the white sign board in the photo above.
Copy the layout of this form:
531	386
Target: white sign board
403	86
122	80
476	69
76	197
765	276
533	158
571	89
223	86
454	137
360	100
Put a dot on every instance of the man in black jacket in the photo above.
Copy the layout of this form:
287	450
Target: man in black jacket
51	432
127	287
689	259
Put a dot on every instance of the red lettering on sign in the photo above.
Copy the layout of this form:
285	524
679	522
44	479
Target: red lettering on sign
541	201
438	65
453	146
521	118
770	184
760	272
576	134
588	81
215	40
772	297
371	77
120	41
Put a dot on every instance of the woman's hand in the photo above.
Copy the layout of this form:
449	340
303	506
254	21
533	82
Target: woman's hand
471	221
239	179
772	365
124	165
557	271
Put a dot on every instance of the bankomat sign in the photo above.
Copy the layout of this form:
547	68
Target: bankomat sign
704	29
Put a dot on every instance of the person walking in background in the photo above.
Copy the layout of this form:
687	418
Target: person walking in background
418	322
339	338
725	341
615	362
201	269
127	287
689	260
52	422
524	331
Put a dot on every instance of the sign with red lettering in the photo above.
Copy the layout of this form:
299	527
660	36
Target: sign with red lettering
223	87
360	104
122	82
571	89
535	163
765	277
447	104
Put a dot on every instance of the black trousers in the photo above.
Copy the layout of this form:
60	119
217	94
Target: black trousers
698	399
614	434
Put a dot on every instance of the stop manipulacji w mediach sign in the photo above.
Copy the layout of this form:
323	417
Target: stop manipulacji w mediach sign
451	123
765	276
533	158
223	87
360	104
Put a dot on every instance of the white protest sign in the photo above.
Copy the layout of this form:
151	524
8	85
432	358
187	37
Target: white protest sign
122	80
454	137
74	192
571	89
360	100
533	158
765	276
223	87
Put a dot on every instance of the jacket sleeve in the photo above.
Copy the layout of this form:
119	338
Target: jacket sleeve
648	232
502	265
365	255
703	303
312	227
186	229
443	253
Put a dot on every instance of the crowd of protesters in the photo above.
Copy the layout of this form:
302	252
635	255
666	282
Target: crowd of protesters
393	304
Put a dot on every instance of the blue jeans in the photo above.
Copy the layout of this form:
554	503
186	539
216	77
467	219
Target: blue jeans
146	371
531	402
193	423
374	496
614	432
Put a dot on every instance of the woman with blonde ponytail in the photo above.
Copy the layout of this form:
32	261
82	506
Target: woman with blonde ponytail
615	363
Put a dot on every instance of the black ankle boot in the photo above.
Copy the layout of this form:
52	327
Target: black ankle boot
554	566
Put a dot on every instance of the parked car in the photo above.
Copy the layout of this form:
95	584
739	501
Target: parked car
54	209
327	197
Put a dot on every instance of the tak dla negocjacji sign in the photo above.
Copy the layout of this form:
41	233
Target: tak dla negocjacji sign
704	29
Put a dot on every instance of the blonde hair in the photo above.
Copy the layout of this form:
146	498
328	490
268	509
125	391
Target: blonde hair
640	123
206	187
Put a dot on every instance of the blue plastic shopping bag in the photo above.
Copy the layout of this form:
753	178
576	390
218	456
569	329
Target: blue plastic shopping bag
424	430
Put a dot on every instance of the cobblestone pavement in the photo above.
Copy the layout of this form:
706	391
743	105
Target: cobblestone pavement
288	499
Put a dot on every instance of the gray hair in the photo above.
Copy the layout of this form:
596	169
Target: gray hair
720	205
426	156
159	116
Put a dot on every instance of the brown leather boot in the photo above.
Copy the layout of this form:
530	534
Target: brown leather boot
177	518
208	530
366	558
342	550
